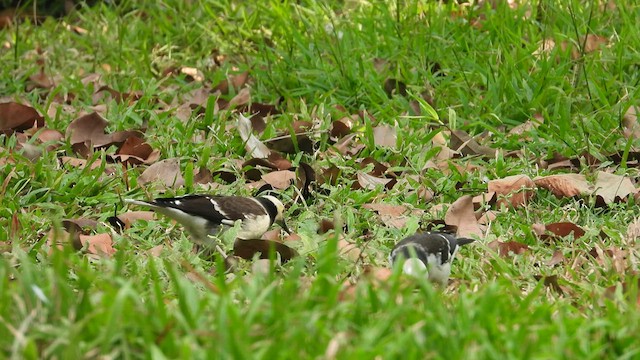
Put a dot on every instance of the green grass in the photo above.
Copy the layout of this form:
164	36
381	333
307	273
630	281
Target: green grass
313	58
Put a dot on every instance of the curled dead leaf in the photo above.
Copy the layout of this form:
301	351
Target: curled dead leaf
461	214
18	117
514	190
166	172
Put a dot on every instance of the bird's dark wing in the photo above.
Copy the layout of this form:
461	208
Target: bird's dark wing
216	209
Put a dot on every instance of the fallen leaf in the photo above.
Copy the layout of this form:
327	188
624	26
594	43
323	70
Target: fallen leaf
508	248
280	179
390	215
607	188
368	182
247	249
166	172
100	244
326	225
465	144
630	122
156	251
562	229
395	87
461	214
633	230
551	282
134	151
234	81
556	258
91	129
385	136
514	190
253	145
18	117
349	250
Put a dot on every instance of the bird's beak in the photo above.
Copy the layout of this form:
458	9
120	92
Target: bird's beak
283	225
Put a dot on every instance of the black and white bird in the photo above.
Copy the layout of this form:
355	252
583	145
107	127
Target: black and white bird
428	253
204	215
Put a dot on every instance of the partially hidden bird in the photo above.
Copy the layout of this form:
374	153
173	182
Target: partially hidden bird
428	253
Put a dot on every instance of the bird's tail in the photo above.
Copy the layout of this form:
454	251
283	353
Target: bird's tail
139	202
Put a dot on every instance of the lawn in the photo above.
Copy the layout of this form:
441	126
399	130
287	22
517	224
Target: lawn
514	124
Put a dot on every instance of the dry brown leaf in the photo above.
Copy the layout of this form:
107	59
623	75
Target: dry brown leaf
247	249
166	172
556	258
465	144
391	215
514	190
100	244
607	188
156	251
91	129
385	136
349	250
630	123
633	231
253	145
134	151
242	98
280	179
18	117
462	215
508	248
445	151
368	182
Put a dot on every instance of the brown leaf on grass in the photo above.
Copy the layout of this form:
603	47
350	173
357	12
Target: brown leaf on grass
515	190
40	80
235	81
465	144
446	152
628	287
556	258
368	182
551	282
81	225
390	215
379	169
613	256
91	128
134	151
305	178
326	225
247	249
394	87
120	97
385	136
330	176
280	179
461	214
339	129
241	98
130	217
559	230
293	143
18	117
156	251
99	244
52	139
349	250
167	172
633	230
488	198
630	122
527	126
253	145
508	248
608	188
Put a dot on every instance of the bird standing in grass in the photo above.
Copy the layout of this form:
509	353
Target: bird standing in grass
204	215
428	253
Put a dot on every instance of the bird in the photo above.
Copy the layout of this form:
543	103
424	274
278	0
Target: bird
204	215
428	253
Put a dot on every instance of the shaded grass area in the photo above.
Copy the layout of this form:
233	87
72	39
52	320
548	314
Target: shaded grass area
312	57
